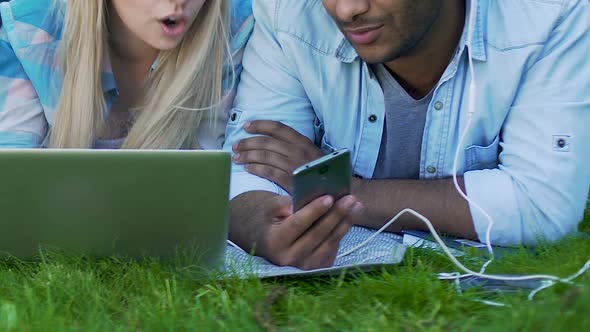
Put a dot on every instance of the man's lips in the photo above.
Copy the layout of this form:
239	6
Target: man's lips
364	35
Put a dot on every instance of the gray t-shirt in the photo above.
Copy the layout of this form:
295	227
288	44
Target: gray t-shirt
405	117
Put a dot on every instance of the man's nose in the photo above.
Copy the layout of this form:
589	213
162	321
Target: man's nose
348	10
178	3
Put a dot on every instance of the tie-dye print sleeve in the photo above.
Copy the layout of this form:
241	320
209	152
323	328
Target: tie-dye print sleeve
22	120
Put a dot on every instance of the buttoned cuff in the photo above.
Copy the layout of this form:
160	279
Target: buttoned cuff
243	182
493	191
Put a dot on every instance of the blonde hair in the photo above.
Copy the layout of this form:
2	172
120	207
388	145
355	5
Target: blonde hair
186	83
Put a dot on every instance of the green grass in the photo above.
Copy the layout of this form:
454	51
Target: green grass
68	293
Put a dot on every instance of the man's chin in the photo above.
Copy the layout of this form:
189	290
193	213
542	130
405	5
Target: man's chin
373	57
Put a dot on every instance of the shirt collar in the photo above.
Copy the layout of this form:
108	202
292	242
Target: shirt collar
478	50
347	54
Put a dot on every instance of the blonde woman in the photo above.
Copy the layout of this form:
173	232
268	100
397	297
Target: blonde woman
137	74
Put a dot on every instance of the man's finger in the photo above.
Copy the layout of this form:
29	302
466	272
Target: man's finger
262	143
337	234
298	223
275	129
321	230
324	255
263	157
271	173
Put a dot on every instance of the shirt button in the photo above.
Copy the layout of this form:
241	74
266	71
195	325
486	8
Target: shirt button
431	169
438	106
373	118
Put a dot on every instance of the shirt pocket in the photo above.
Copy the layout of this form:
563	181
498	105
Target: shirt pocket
478	157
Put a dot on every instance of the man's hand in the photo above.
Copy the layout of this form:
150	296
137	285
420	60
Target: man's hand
307	239
275	155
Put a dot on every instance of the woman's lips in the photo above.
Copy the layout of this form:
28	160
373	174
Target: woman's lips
364	36
174	30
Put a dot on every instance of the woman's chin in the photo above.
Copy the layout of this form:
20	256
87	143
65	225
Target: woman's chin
166	44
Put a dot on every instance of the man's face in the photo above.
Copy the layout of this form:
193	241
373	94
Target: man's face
384	30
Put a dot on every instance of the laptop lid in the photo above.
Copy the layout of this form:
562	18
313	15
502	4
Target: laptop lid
105	202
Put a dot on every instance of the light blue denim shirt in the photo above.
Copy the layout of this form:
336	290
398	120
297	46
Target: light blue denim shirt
31	80
526	159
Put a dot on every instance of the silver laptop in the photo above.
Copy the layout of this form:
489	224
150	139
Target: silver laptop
115	202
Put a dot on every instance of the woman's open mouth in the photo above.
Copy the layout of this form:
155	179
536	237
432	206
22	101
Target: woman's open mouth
173	26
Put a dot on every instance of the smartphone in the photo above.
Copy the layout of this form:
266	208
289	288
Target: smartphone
328	175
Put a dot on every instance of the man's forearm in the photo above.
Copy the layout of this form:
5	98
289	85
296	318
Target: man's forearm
437	200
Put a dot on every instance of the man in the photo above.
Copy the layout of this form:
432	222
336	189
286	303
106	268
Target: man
390	80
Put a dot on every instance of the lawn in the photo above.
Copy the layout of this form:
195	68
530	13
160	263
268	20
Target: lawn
67	293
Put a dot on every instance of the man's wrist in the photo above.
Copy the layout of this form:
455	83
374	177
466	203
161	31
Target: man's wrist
356	186
247	214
